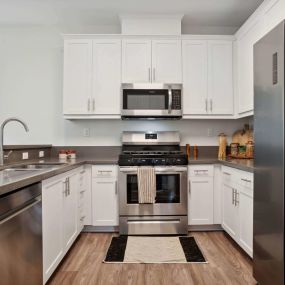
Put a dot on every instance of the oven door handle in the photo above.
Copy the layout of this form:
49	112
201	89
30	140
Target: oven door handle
165	169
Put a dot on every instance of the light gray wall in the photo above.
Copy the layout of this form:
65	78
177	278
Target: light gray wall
31	88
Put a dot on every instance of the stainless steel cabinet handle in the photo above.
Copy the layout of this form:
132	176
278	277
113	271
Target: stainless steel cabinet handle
149	74
68	186
236	198
116	187
82	172
153	74
189	187
82	218
93	104
81	192
246	180
200	182
233	196
108	171
65	192
88	105
226	173
206	105
211	105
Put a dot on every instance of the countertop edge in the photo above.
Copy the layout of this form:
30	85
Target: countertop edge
6	188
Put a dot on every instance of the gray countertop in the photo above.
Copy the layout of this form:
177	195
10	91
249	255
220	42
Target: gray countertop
8	184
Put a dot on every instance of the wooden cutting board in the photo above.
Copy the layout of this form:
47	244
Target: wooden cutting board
242	137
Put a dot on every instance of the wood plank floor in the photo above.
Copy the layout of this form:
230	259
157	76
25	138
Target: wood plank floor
83	265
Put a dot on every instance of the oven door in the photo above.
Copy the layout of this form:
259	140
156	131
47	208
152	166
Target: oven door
149	103
171	192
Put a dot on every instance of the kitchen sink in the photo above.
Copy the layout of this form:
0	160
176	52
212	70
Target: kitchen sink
36	166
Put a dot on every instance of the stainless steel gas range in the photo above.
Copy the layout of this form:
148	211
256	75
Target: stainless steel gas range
168	215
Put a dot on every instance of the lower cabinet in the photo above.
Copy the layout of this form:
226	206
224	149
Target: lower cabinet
201	195
61	204
105	195
237	204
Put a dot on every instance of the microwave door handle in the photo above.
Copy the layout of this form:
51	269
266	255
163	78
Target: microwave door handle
169	99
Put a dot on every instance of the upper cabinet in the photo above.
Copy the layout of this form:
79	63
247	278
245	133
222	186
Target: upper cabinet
245	79
136	61
264	19
92	77
207	77
146	60
166	61
77	76
106	77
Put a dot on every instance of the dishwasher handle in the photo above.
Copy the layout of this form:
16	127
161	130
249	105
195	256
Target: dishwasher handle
34	202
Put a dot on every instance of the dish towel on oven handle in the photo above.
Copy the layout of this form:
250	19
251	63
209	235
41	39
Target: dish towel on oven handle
146	185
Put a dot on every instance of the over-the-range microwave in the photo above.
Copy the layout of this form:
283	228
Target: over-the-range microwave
151	101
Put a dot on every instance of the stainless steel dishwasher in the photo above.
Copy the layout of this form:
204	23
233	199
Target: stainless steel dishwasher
21	236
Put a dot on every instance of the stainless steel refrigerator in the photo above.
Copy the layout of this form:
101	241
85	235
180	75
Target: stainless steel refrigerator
268	241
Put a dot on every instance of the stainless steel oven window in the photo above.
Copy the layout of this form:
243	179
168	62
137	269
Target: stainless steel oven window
167	188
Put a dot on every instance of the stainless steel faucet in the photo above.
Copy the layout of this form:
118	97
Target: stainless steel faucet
2	134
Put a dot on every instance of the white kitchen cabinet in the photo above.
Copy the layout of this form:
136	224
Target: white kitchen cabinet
70	216
195	77
230	211
136	60
220	77
245	84
106	77
60	218
201	195
105	195
77	76
207	77
52	203
145	61
84	198
237	221
92	78
166	61
245	201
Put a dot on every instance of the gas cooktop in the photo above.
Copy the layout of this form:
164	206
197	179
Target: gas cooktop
161	148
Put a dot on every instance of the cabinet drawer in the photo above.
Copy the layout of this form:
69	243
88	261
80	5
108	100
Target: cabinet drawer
245	179
201	170
104	171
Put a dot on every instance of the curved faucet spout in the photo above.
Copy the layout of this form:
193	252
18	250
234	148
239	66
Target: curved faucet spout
12	119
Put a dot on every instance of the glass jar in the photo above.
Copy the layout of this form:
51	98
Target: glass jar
249	149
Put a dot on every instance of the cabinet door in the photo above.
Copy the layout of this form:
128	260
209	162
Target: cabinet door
136	61
106	77
195	77
220	77
245	82
105	202
201	201
230	211
245	202
52	202
77	76
70	214
166	61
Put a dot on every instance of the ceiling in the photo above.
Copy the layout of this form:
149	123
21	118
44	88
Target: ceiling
63	13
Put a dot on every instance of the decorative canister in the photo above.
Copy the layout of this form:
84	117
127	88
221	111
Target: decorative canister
234	149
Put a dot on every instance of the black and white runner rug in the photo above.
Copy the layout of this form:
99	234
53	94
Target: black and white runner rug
142	249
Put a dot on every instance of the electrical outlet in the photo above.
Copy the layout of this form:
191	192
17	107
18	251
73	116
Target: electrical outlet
25	155
210	132
86	132
41	153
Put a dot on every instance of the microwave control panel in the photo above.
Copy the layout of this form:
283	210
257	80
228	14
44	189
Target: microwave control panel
176	99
